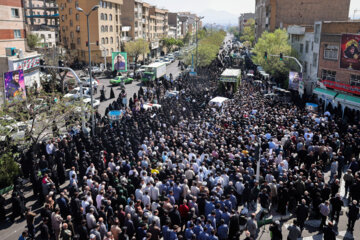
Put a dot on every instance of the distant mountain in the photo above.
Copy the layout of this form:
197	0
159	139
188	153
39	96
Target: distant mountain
219	17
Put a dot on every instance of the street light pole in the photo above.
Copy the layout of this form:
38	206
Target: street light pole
94	8
197	53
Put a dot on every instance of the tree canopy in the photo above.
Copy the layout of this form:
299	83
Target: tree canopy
32	40
274	43
249	32
137	48
170	43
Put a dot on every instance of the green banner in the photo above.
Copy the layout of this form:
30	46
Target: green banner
119	61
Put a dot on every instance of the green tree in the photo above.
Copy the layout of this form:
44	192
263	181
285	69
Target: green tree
33	41
187	38
274	44
208	49
249	32
169	43
137	48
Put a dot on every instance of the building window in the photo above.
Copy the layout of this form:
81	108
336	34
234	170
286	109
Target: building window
111	28
71	22
110	5
70	11
317	33
106	28
72	35
307	47
77	4
305	67
102	28
328	75
355	80
107	40
49	35
112	50
15	13
314	60
17	34
77	17
105	17
102	16
110	17
103	41
331	52
111	40
104	4
301	48
62	18
78	41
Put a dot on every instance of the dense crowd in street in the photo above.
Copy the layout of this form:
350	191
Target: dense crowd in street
188	170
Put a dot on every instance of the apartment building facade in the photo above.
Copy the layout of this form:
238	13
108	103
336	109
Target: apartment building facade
12	27
132	16
105	28
40	13
273	14
339	67
175	25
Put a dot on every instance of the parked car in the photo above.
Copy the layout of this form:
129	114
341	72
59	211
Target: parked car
75	93
167	61
86	82
96	70
141	69
121	79
13	129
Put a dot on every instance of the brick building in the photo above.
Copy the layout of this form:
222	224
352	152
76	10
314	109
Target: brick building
12	27
342	85
273	14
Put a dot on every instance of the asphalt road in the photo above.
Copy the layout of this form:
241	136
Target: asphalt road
129	88
12	231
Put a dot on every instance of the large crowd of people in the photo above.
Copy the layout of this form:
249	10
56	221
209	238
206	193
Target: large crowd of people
188	170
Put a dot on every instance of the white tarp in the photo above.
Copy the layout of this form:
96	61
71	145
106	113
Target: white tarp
218	101
147	106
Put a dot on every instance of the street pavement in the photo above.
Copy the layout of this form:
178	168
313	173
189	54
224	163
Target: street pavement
12	231
129	88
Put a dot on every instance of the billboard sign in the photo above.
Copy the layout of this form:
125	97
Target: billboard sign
294	80
14	85
350	52
119	61
24	64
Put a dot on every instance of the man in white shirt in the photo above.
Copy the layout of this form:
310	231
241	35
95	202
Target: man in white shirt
99	199
50	148
146	199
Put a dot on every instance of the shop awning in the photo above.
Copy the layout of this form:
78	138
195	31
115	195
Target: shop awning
348	100
324	92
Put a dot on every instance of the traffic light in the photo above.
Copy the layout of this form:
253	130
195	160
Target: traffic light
87	43
97	43
265	55
281	57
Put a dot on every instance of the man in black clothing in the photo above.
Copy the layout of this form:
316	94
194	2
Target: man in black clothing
353	215
83	231
329	232
302	213
336	204
44	229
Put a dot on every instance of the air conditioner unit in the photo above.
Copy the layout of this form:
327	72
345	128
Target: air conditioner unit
10	51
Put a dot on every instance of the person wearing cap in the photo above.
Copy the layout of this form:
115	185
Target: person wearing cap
353	215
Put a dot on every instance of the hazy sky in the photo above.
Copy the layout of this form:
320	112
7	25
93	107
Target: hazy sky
233	6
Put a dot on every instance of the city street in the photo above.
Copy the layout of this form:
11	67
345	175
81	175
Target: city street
130	88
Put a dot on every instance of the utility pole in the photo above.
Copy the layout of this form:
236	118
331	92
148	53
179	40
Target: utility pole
94	8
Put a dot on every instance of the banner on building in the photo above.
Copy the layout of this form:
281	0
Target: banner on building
294	80
14	86
350	52
119	61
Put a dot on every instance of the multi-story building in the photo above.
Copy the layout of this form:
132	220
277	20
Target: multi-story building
12	27
175	25
131	16
159	28
339	67
41	12
244	17
302	39
183	24
273	14
105	28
